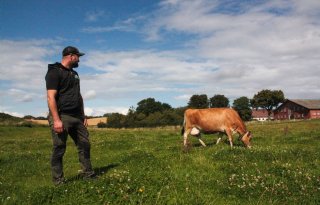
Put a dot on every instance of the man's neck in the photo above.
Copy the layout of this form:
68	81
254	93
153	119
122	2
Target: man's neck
65	64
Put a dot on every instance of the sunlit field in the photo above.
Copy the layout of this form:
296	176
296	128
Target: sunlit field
150	166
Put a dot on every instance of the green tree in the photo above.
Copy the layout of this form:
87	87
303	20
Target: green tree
242	106
198	101
149	105
41	118
102	125
267	99
116	120
170	118
153	120
219	101
28	117
166	115
130	118
179	111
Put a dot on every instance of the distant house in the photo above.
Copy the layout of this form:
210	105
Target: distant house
298	109
261	115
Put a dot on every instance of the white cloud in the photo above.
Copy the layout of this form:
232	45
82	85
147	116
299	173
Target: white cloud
104	29
233	48
91	94
100	111
4	109
20	95
93	16
272	45
183	97
143	71
22	71
23	62
131	24
16	114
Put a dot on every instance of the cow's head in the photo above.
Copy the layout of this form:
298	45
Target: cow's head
246	138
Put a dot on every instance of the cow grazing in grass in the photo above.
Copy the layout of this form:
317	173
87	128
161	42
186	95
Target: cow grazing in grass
214	120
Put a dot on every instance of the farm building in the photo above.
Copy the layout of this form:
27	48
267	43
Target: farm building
298	109
261	115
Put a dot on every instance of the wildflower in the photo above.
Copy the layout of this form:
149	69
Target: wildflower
141	190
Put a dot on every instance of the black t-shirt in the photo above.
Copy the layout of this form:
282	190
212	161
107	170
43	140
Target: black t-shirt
67	83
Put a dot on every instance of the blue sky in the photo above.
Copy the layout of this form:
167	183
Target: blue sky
168	50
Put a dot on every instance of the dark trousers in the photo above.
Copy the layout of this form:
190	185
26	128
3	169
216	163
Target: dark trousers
79	133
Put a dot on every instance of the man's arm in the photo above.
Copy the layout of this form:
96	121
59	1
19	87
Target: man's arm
52	104
85	121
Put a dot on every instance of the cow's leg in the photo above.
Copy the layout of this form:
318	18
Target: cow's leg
220	137
229	133
199	138
185	136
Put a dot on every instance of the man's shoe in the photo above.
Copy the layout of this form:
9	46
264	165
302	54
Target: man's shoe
59	181
87	175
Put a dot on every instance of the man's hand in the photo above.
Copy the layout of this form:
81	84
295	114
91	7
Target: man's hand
58	126
52	104
85	122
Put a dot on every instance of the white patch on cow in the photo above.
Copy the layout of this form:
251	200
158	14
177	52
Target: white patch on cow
195	131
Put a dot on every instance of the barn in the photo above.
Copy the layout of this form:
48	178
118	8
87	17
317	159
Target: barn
298	109
261	115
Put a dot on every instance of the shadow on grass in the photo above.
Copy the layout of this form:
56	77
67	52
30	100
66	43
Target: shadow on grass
101	170
209	144
189	146
236	143
98	171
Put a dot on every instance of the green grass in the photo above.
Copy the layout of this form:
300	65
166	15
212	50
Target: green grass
149	166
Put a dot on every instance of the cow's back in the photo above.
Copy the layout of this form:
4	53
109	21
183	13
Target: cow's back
213	119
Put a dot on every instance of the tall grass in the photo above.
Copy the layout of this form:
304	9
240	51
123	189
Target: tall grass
149	166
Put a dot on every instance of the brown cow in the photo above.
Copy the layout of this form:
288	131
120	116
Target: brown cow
213	120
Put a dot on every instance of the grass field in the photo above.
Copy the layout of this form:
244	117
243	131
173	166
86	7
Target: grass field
149	166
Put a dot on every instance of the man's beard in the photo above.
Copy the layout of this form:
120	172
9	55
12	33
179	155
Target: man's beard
75	65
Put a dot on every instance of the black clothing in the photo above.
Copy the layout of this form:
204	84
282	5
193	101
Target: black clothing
79	133
70	110
67	83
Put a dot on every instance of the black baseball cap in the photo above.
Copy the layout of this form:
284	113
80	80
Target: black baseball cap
71	50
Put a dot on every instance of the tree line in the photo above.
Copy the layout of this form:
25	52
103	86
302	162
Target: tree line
152	113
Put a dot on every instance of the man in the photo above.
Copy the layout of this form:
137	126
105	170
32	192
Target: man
66	113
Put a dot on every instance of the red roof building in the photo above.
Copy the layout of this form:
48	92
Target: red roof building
261	115
298	109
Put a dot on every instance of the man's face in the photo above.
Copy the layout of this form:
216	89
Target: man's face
75	59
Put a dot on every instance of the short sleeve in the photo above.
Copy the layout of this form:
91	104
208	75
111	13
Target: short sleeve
52	79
